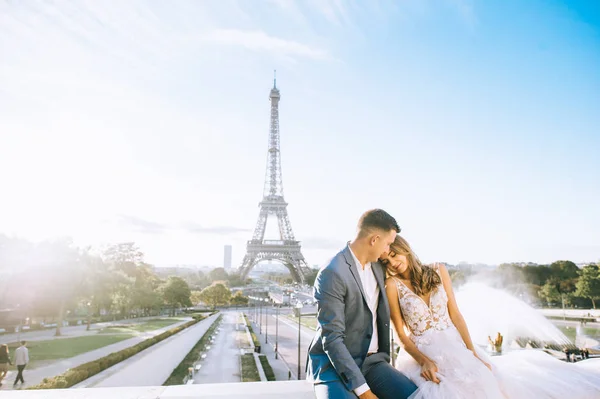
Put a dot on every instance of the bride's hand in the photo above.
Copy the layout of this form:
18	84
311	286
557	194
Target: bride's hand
489	366
428	370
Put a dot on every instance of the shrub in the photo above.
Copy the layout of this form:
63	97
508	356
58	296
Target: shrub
267	368
181	371
83	372
254	338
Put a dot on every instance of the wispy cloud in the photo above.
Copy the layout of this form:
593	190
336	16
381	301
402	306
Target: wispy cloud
258	40
336	11
220	230
144	226
141	225
322	243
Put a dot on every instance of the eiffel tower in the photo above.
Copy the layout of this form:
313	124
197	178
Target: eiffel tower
286	249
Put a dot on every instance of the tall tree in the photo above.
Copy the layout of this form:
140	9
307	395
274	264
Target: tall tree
537	274
549	292
176	293
588	285
196	297
218	274
125	257
197	281
239	299
235	280
135	286
564	270
216	295
145	295
64	272
311	276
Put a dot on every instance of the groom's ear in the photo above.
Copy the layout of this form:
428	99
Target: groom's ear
374	239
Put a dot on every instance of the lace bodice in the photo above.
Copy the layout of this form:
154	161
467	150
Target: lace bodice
419	317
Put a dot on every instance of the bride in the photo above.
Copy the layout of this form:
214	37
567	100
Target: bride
440	356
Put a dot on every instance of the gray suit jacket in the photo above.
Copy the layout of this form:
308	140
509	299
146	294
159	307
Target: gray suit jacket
339	348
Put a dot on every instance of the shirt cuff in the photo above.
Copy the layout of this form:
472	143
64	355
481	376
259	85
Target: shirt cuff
362	389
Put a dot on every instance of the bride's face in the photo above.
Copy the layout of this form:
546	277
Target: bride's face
395	262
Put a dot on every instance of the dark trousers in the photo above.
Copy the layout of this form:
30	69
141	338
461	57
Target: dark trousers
384	380
388	383
20	368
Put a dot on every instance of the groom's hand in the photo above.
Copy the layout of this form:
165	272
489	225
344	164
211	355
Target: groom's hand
368	395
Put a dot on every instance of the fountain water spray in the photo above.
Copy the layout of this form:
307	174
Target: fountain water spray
489	310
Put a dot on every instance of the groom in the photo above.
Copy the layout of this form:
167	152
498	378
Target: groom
350	353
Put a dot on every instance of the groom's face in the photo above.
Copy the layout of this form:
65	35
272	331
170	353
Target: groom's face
382	242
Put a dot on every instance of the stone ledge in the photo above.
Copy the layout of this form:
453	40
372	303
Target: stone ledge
246	390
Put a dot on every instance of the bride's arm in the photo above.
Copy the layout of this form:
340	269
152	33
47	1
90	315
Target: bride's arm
455	315
428	366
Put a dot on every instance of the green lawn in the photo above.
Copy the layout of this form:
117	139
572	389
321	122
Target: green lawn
571	332
63	348
155	324
149	325
249	370
306	321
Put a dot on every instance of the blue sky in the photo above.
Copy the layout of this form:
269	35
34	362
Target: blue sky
476	124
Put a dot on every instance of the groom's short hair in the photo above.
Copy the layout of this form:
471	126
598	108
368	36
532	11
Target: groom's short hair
377	219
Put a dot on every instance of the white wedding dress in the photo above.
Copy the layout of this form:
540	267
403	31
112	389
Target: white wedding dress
524	374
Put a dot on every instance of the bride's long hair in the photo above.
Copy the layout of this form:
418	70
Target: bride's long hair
423	278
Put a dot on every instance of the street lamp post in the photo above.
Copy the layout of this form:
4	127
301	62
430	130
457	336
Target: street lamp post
261	316
89	317
255	310
276	331
299	307
267	321
250	312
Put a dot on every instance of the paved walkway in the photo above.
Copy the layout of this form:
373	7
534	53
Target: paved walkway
35	376
571	312
71	331
154	365
222	362
280	367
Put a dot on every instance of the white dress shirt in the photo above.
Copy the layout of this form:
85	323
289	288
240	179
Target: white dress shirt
21	356
371	290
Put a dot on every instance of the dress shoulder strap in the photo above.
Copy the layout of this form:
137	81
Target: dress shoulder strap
436	267
400	287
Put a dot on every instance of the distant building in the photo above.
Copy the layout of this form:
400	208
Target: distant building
227	257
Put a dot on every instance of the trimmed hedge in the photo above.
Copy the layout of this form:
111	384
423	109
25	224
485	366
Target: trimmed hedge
181	371
83	372
267	368
254	338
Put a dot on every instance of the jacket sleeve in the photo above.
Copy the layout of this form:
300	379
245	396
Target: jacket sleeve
329	293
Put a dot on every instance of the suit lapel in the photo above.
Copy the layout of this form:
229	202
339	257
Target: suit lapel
354	270
378	271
